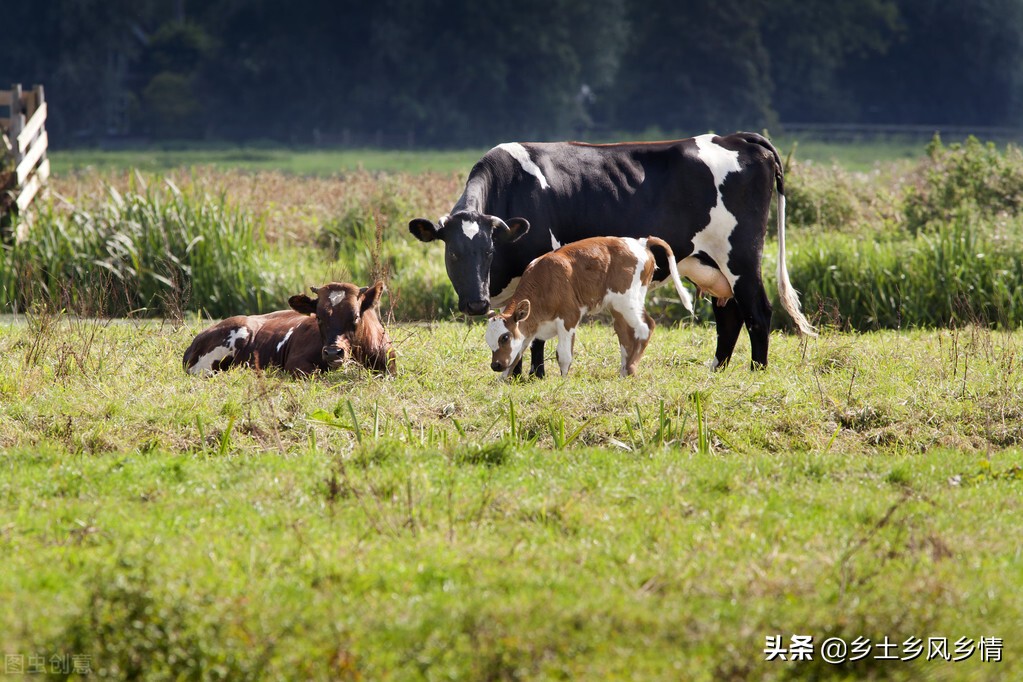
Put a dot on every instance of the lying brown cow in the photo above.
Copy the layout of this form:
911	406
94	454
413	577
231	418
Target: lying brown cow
560	287
319	333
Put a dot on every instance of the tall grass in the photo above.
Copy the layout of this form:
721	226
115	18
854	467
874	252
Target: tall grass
928	244
153	249
956	274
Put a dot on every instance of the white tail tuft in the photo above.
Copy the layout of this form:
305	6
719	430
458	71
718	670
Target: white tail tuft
789	296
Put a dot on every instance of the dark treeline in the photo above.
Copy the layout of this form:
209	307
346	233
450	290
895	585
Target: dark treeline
472	72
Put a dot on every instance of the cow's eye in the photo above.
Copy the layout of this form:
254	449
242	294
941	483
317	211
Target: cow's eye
504	338
490	252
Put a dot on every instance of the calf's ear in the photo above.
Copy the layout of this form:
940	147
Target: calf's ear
511	231
423	230
521	311
303	304
369	297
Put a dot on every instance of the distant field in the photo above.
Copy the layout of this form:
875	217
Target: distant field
294	161
858	156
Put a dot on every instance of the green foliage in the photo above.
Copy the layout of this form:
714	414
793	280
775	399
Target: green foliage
958	273
371	240
964	175
154	249
410	73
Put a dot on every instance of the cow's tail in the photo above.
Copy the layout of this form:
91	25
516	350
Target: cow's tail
788	295
683	294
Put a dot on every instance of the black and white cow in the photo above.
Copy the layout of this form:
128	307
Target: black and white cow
707	196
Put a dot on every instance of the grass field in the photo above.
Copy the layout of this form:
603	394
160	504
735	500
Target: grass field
326	162
443	525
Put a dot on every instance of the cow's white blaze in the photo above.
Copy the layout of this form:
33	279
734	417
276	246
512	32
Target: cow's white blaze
495	328
630	303
519	153
713	239
285	339
471	228
555	244
336	297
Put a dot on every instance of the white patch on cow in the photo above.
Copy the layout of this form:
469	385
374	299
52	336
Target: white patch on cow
505	294
555	244
204	365
549	329
285	339
336	297
239	334
631	302
713	239
470	228
519	153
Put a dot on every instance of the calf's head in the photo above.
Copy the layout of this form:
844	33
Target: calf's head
506	338
470	239
340	309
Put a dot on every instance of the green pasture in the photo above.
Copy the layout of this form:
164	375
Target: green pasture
296	161
324	162
444	525
441	524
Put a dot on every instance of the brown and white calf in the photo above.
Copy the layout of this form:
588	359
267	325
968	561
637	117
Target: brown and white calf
559	288
319	333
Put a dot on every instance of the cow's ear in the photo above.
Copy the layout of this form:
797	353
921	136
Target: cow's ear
521	311
423	230
370	296
511	231
303	304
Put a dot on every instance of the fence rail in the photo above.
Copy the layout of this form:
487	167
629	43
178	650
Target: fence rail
25	141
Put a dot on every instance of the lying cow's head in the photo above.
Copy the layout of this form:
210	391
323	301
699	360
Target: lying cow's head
469	241
505	338
339	309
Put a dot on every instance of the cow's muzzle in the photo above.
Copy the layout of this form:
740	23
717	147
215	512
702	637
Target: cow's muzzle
479	307
334	355
496	366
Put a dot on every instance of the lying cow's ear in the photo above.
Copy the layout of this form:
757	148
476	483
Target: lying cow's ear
303	304
423	230
511	231
370	296
521	311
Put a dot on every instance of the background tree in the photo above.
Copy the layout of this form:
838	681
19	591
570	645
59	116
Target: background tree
461	72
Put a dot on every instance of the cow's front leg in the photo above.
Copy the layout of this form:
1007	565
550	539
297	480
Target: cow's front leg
566	344
536	355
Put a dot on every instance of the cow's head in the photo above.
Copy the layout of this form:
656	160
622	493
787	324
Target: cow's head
470	239
338	308
505	338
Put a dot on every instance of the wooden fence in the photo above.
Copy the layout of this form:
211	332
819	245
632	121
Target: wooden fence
24	140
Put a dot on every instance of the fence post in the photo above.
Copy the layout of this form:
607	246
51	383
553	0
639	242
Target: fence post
17	122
